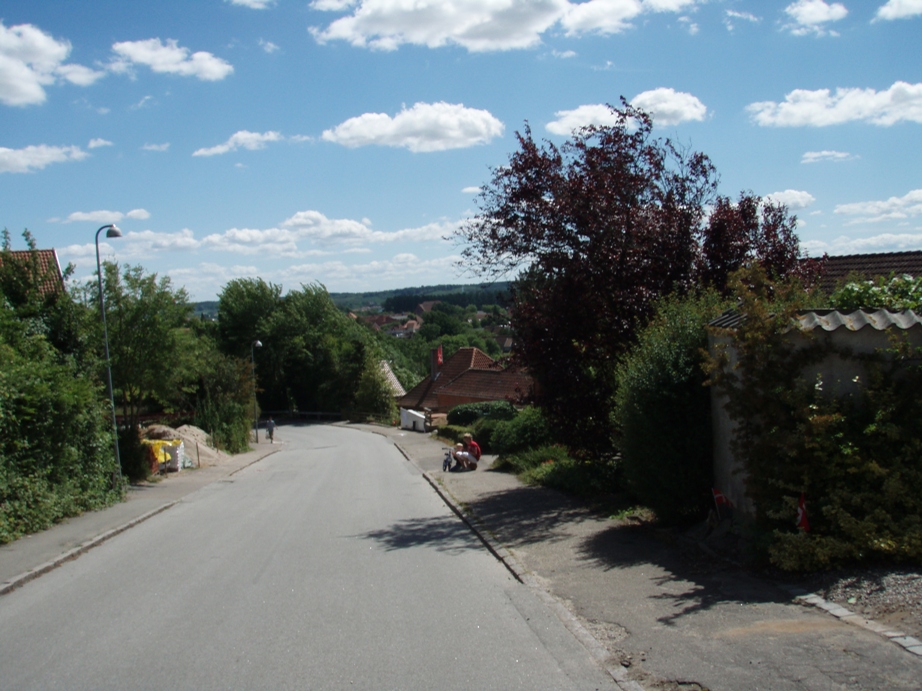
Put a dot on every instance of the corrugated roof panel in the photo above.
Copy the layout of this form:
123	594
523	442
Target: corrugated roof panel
881	320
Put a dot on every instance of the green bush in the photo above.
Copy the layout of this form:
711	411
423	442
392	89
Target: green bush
468	413
56	452
453	432
528	429
855	456
894	293
662	411
551	466
483	430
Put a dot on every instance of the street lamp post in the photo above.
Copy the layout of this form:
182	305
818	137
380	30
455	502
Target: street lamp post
111	232
253	345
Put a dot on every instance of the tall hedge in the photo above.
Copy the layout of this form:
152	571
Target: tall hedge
662	411
56	450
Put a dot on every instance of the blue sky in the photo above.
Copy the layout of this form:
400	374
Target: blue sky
340	141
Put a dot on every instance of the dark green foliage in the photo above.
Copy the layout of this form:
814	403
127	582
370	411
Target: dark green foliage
551	466
467	413
133	455
373	396
662	411
482	431
223	401
56	451
855	455
526	430
453	432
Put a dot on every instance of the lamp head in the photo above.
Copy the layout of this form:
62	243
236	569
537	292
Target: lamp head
257	344
113	232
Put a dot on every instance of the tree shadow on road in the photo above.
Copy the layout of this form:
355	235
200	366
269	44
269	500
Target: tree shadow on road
443	533
683	577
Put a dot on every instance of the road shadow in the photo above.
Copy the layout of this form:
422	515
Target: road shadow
442	533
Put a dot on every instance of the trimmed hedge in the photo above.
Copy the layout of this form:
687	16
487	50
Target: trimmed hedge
663	411
468	413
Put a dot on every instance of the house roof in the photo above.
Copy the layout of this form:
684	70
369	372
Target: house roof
494	384
49	268
838	268
392	381
424	394
427	305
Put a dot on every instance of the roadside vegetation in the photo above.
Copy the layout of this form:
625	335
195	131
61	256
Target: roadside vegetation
625	252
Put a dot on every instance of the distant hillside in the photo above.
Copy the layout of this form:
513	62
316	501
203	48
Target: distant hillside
406	299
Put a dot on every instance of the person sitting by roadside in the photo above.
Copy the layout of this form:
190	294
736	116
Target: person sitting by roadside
472	447
463	459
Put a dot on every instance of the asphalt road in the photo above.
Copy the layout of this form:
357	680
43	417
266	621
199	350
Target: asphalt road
329	565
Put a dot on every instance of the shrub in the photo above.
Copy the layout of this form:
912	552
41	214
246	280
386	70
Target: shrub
662	411
551	466
453	432
467	413
483	430
528	429
895	293
56	452
854	457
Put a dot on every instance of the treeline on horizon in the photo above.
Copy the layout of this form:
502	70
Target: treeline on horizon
407	299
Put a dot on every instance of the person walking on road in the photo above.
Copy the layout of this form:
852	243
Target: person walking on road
270	430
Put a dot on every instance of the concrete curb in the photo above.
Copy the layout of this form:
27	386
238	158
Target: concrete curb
32	574
803	597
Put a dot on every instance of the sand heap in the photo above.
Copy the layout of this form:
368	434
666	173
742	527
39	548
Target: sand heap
196	443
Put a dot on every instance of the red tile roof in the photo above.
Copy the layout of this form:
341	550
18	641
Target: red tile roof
49	269
839	268
475	368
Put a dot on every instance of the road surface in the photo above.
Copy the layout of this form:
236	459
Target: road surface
329	565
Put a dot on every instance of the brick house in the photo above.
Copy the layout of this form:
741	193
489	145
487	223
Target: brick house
468	376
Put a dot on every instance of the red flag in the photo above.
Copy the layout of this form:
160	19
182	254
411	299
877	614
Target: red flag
719	498
438	357
802	521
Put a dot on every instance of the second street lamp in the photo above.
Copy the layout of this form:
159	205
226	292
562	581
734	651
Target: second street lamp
111	232
253	346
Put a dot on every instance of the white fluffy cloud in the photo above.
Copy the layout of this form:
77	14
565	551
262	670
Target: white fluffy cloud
793	199
105	216
820	156
253	4
169	58
31	158
666	106
30	60
156	147
478	25
243	139
314	226
670	107
899	9
812	16
424	127
892	209
901	102
96	143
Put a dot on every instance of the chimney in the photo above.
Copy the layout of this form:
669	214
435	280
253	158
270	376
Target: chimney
435	362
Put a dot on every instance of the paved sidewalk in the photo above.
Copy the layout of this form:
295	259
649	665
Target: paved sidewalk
33	555
667	616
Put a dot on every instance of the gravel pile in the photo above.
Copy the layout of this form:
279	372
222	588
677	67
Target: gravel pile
890	596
